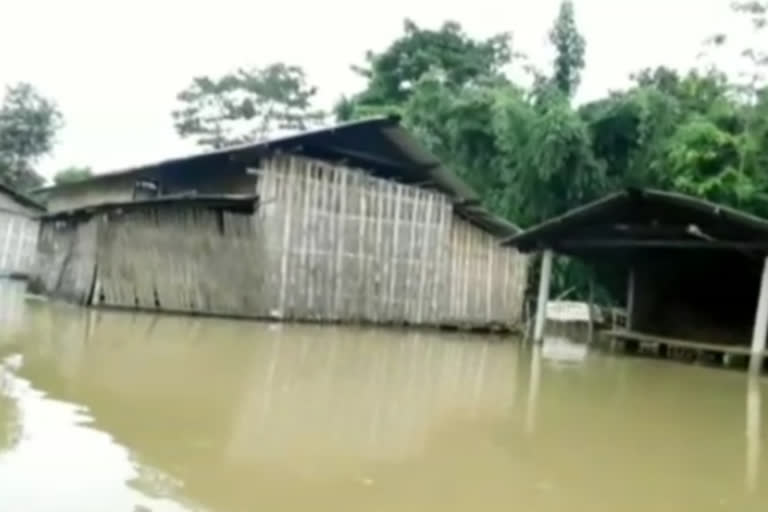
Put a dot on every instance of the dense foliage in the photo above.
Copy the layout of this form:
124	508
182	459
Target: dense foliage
532	153
72	175
245	105
529	149
28	126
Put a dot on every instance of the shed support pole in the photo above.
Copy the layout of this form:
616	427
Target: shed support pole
591	313
630	298
541	305
761	321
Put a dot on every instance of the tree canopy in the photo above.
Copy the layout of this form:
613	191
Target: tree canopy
532	154
72	175
447	54
29	123
246	105
570	46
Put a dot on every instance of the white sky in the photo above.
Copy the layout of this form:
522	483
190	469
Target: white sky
114	67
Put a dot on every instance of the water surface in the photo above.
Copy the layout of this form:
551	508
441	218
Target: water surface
124	412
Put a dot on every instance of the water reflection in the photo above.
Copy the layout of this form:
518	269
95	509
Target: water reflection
534	381
229	416
11	311
11	322
754	435
58	464
261	403
10	426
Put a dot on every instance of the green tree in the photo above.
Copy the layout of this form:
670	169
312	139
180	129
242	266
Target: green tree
72	175
570	46
531	154
28	126
246	105
448	54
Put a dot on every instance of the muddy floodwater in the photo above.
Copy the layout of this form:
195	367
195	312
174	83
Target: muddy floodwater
105	411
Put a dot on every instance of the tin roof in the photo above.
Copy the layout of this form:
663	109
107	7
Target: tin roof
229	202
380	145
20	198
642	219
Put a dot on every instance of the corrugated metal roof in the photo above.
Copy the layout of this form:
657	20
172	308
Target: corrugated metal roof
379	145
614	216
21	198
230	202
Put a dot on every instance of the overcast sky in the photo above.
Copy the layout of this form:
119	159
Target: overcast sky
114	67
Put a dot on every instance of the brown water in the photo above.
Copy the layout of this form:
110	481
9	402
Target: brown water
120	412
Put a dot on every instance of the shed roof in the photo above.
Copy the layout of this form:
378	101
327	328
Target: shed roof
379	145
20	198
646	219
229	202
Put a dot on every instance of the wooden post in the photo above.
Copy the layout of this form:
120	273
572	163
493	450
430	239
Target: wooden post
761	322
591	313
541	305
630	297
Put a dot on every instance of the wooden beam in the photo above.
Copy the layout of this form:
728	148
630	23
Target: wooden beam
370	157
591	305
630	297
658	244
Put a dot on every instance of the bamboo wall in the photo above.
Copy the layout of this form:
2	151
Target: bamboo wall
182	259
327	244
65	259
18	237
354	247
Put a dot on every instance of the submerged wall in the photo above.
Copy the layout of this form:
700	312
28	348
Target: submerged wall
327	244
18	237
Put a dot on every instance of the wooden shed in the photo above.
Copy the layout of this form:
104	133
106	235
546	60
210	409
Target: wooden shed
18	232
696	271
354	223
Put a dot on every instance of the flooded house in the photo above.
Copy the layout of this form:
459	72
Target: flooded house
353	223
18	232
696	272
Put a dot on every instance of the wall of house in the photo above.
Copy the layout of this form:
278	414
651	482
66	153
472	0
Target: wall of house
326	244
66	258
18	237
353	247
187	259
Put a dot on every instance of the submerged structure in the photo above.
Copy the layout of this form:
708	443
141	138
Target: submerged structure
18	232
696	271
354	223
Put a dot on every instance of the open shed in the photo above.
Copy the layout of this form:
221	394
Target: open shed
693	267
